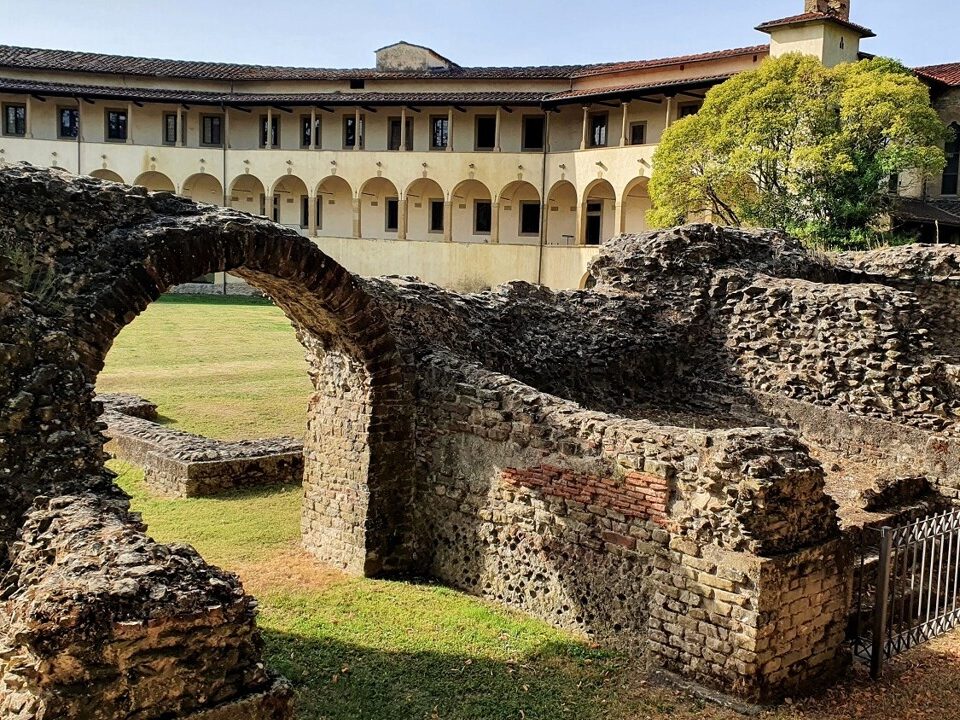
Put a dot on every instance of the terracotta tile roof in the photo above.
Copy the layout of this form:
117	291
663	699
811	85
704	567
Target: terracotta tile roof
637	88
70	61
604	68
948	73
814	17
92	92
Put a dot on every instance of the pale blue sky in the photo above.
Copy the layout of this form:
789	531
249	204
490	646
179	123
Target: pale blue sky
324	33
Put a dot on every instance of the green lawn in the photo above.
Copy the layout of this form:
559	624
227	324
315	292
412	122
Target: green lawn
371	650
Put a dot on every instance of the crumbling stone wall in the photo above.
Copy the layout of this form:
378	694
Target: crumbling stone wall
622	461
179	464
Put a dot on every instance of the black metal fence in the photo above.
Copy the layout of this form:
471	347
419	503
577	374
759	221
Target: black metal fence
908	590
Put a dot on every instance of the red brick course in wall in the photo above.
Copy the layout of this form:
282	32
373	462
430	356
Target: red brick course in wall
636	496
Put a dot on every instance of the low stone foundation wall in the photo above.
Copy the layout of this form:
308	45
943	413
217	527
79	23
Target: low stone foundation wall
178	464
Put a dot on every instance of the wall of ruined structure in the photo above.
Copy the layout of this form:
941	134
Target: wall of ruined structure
179	464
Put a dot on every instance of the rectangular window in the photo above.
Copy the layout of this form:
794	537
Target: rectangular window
392	222
304	211
598	130
308	134
688	109
170	128
211	130
482	217
486	135
68	122
393	137
15	120
116	125
439	132
533	132
274	131
529	218
638	133
436	216
352	135
893	184
275	212
951	174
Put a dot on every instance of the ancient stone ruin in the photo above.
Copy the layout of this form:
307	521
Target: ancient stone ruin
671	462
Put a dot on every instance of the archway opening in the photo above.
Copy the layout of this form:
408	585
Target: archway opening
520	214
290	203
472	212
248	194
204	188
635	206
335	208
561	214
598	214
426	212
104	174
379	202
155	182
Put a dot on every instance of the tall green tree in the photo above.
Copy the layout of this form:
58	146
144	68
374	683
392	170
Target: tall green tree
796	145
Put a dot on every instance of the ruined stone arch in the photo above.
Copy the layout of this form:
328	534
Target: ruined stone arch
104	174
155	182
334	207
358	443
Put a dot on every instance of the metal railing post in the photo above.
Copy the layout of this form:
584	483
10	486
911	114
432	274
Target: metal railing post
881	605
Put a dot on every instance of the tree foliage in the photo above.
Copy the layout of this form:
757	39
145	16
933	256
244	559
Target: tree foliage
796	145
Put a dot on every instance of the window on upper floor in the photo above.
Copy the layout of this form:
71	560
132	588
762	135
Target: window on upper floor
533	132
68	122
638	133
482	217
599	123
211	130
436	216
15	119
310	135
529	218
358	84
486	132
352	132
688	109
273	131
951	174
439	132
170	123
394	133
117	125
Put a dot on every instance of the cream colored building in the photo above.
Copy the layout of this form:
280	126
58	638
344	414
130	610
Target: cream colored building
464	176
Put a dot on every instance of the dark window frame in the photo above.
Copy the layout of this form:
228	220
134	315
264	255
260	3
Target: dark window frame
7	107
274	131
638	125
410	128
204	117
76	127
529	204
106	125
476	216
391	206
316	131
950	184
476	133
431	226
543	133
688	109
175	116
445	119
358	132
595	140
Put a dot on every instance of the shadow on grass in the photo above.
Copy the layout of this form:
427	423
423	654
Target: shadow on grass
339	681
179	299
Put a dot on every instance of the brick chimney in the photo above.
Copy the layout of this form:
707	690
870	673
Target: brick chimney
837	8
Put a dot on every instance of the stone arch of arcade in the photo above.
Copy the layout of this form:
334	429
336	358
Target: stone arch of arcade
359	436
520	213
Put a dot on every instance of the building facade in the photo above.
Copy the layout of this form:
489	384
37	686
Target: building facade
467	177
